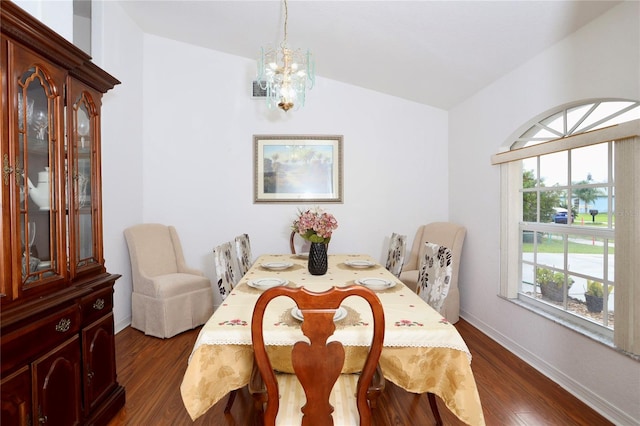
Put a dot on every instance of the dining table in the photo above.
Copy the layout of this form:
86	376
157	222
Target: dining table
422	351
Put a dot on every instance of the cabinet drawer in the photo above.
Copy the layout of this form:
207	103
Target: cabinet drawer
96	305
21	346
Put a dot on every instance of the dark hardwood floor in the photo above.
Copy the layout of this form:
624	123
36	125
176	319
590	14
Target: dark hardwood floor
512	393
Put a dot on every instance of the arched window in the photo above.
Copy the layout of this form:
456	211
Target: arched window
569	208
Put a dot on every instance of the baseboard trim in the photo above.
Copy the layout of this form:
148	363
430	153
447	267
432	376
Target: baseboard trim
603	407
121	325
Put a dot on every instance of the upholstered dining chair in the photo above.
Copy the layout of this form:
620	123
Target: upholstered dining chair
243	254
395	257
446	234
434	276
225	269
317	365
168	297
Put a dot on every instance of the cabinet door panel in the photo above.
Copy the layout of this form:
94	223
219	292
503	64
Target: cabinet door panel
99	361
15	397
57	380
84	179
36	147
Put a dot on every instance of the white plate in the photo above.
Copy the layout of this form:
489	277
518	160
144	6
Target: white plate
359	263
265	283
340	314
277	266
376	283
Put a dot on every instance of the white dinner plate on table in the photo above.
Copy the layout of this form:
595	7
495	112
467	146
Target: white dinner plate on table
277	266
340	314
265	283
359	263
376	283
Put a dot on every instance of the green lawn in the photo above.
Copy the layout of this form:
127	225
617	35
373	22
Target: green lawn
547	245
600	219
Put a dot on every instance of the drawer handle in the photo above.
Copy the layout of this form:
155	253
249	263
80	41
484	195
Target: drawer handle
98	304
63	325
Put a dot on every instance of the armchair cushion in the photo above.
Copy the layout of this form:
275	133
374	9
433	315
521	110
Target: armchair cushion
170	285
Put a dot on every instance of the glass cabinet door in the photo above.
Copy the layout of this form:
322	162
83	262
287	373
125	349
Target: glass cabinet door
84	251
34	147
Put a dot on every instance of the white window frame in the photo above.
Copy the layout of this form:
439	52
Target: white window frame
511	207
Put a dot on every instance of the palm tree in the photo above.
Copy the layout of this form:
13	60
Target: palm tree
588	195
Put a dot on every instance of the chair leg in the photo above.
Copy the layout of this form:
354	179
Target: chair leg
232	397
434	408
376	388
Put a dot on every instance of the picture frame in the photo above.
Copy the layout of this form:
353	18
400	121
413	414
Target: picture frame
297	168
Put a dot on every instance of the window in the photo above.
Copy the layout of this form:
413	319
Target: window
559	236
567	231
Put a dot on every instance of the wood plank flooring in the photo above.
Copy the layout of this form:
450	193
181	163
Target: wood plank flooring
512	393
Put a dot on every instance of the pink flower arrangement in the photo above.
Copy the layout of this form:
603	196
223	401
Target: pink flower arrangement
315	225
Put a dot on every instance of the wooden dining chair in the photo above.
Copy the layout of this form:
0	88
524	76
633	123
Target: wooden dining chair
395	256
317	365
297	241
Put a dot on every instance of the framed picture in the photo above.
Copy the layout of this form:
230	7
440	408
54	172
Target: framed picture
295	168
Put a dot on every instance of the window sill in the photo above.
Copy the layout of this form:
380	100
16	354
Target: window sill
600	338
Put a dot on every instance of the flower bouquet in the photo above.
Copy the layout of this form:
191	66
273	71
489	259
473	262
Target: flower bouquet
315	225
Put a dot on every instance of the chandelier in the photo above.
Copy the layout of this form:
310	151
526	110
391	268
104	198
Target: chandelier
285	73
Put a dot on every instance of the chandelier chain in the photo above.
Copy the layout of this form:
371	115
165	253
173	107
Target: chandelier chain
286	19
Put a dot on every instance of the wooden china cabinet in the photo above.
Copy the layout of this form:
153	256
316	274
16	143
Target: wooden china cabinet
56	297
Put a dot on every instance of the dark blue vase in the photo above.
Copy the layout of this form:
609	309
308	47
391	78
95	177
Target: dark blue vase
318	261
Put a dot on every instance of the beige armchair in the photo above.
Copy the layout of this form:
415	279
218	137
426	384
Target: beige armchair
168	297
445	234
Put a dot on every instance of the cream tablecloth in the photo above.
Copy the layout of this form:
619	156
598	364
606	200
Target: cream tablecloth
422	351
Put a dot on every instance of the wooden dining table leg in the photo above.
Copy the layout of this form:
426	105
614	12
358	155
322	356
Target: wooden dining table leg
434	408
232	397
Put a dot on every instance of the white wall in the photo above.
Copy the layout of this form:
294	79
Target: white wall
600	60
199	120
57	15
117	47
177	148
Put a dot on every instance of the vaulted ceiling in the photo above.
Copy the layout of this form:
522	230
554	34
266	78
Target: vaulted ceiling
434	52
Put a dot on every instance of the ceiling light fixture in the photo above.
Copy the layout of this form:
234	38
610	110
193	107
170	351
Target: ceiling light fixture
285	73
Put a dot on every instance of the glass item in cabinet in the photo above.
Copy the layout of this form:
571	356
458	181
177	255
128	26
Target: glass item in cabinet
25	109
83	127
40	125
40	194
29	261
